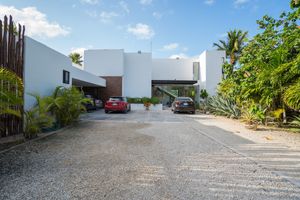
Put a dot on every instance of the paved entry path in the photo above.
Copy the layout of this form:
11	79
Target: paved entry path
142	155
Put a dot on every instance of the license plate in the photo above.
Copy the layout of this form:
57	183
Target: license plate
185	104
114	104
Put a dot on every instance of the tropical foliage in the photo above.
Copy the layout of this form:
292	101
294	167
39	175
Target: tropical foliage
11	93
233	46
66	104
62	108
76	58
269	72
37	118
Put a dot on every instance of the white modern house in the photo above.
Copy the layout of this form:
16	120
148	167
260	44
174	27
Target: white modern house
114	72
134	74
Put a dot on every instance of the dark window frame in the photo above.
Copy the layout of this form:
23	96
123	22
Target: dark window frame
66	77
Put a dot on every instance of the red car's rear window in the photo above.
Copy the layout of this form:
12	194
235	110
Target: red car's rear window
116	99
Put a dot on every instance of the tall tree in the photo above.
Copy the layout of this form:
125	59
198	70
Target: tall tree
76	58
295	3
233	45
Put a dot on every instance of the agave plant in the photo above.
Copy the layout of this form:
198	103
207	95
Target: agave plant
296	121
222	106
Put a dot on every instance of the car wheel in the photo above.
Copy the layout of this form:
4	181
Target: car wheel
106	111
193	112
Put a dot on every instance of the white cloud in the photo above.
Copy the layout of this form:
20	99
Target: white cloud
36	22
91	2
92	14
124	6
170	47
107	17
185	49
145	2
209	2
181	55
141	31
157	15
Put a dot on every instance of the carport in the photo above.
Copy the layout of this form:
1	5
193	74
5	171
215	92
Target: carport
87	82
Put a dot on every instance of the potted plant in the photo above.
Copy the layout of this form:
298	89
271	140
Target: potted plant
147	102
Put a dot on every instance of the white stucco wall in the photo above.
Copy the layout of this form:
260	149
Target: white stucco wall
44	67
171	69
137	76
102	62
202	60
211	70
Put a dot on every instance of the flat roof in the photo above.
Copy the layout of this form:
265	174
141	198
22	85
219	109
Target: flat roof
174	82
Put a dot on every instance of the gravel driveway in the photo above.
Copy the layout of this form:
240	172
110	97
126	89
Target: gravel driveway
139	155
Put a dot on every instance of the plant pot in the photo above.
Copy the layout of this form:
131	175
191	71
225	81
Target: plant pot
147	106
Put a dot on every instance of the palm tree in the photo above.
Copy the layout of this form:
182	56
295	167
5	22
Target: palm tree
76	58
234	45
295	3
12	94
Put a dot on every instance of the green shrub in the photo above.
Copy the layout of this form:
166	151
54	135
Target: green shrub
253	114
134	100
12	93
146	100
155	100
291	96
37	118
66	104
203	94
222	106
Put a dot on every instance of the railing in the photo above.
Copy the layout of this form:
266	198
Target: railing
12	58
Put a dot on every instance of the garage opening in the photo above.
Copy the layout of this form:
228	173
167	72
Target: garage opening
168	90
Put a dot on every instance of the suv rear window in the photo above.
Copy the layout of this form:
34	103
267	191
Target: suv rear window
183	99
116	99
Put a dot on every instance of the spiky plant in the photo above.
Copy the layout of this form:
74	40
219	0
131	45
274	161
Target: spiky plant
296	121
222	106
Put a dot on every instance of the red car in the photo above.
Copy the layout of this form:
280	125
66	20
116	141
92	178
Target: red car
117	104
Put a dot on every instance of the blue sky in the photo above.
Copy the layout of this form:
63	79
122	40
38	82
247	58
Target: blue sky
174	27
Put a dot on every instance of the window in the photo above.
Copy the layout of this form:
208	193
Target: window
66	77
196	70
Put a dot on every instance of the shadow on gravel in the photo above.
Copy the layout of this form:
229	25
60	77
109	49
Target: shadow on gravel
275	157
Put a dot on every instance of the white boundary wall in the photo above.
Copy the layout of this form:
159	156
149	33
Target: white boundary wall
136	106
